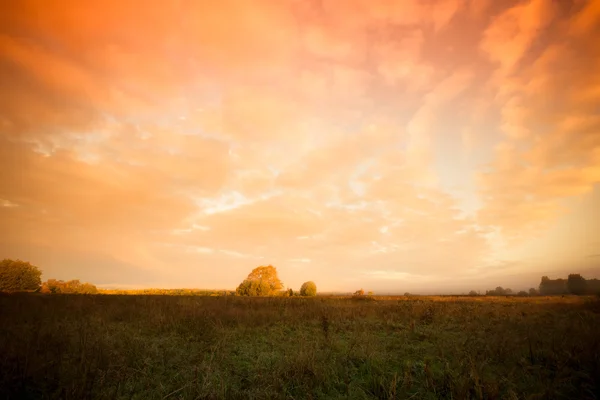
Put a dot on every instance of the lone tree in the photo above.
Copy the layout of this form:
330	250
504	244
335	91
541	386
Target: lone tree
308	289
17	275
262	281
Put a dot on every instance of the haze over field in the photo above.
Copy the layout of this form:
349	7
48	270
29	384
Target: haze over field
414	146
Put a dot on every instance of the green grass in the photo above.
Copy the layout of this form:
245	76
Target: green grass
169	347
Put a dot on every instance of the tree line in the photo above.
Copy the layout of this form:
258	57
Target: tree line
18	275
575	284
22	276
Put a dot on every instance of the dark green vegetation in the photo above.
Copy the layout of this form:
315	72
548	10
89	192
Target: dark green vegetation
169	347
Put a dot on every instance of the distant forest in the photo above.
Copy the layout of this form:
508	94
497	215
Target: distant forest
574	284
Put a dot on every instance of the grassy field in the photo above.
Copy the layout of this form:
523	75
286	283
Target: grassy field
169	347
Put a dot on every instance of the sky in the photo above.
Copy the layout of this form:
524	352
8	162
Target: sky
419	145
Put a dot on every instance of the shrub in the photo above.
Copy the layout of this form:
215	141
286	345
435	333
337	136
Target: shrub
308	289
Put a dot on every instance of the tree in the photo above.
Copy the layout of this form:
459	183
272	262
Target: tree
522	293
308	289
553	286
290	292
359	292
473	293
266	274
17	275
576	284
533	292
262	281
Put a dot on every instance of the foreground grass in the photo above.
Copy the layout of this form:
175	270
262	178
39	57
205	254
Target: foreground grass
157	347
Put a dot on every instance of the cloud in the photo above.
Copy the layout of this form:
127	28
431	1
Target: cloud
183	144
511	33
550	151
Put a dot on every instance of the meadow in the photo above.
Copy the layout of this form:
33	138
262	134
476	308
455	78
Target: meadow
228	347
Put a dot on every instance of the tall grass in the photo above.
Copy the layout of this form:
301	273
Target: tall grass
169	347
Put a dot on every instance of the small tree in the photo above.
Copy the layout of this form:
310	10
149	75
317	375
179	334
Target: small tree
473	293
17	275
290	292
308	289
522	293
359	292
533	292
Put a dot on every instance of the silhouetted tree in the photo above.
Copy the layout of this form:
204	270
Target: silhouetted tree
17	275
553	286
308	289
593	286
290	292
533	292
576	284
473	293
499	291
522	293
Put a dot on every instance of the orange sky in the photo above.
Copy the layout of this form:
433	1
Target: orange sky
414	145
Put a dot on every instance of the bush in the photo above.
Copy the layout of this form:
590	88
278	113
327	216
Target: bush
308	289
17	275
